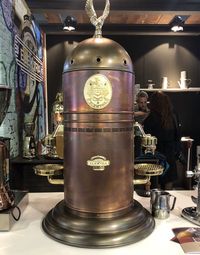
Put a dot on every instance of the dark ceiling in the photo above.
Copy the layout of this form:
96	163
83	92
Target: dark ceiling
126	16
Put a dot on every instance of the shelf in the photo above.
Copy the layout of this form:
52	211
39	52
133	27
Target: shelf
35	161
194	89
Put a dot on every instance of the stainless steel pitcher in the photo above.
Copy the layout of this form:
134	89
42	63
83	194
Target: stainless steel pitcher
161	203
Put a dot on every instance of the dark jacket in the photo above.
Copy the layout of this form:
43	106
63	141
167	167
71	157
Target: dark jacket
166	143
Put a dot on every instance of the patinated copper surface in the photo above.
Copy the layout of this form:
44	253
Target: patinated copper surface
67	227
98	209
106	132
99	53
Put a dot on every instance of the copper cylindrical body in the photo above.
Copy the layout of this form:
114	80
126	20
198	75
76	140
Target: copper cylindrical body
98	209
98	144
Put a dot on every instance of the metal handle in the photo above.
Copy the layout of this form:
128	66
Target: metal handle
141	181
188	160
50	170
54	180
173	202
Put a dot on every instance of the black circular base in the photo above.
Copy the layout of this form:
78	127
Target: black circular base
143	193
96	232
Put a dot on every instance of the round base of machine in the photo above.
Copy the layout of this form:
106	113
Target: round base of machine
190	213
64	226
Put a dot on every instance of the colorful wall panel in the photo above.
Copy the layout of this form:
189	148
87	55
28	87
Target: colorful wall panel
21	68
9	127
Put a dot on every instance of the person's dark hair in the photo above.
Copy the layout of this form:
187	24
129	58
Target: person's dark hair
161	104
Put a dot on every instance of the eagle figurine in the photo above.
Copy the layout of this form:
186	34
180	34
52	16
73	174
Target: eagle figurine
97	21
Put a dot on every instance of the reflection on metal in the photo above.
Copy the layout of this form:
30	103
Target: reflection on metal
50	170
50	144
54	143
98	163
54	181
29	144
12	214
98	209
98	91
5	93
58	135
98	230
148	143
141	181
57	111
190	213
6	195
148	169
138	130
193	213
99	53
59	140
97	22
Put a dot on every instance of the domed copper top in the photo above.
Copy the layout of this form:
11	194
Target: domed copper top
99	53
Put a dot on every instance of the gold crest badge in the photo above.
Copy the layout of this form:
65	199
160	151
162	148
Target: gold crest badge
98	163
98	91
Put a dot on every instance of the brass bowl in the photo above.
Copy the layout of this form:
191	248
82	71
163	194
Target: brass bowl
148	169
48	169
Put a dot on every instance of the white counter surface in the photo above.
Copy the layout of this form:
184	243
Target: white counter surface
27	237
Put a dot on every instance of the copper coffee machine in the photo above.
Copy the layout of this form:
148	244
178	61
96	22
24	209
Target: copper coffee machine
98	209
6	196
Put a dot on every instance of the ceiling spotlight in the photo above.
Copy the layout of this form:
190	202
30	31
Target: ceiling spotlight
178	23
70	23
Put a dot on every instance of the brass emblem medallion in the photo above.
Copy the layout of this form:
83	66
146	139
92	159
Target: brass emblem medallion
98	91
98	163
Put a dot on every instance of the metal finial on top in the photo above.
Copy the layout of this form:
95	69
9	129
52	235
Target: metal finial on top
97	22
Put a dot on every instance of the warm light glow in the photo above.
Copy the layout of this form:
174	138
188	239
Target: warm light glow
69	24
177	28
178	22
68	28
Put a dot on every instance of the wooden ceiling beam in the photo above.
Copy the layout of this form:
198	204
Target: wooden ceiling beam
137	5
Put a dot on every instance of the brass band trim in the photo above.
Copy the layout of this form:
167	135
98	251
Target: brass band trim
104	215
110	121
88	68
77	112
127	129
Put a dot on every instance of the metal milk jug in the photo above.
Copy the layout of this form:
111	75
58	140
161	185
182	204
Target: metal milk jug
161	204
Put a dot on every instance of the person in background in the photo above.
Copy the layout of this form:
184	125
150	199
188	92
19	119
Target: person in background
162	123
141	110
